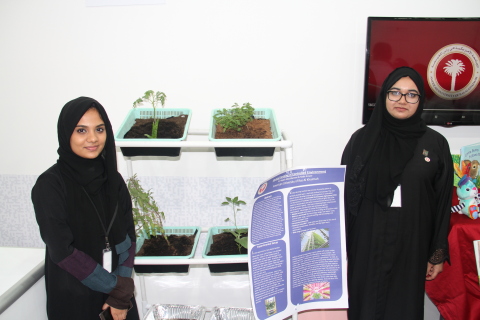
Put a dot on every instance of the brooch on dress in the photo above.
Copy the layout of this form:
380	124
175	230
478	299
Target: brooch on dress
425	153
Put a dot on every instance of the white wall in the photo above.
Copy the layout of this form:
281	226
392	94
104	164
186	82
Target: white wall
303	58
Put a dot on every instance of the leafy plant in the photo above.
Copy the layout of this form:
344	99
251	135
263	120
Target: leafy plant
146	214
240	239
154	98
234	118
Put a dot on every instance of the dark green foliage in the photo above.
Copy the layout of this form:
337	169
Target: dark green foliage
146	214
234	118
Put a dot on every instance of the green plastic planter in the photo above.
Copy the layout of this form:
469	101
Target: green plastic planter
260	113
227	267
147	113
158	267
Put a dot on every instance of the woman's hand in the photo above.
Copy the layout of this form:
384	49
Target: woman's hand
117	314
433	270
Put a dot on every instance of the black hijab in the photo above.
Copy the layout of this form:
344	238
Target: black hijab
91	174
383	147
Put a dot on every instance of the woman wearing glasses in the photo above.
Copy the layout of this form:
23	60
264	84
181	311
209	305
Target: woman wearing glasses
397	203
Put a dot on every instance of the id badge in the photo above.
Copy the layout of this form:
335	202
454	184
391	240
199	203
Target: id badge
107	259
397	197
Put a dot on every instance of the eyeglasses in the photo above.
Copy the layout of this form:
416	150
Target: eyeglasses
410	97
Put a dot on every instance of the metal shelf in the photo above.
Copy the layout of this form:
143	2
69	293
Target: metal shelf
196	260
285	146
286	161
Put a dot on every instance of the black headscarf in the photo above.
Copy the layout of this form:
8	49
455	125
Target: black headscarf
89	173
383	147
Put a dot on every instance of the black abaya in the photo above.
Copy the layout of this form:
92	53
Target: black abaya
388	250
67	297
82	207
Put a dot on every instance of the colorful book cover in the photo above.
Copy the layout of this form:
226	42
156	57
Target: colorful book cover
456	167
469	162
467	181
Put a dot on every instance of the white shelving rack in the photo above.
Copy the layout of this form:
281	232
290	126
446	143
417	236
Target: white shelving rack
284	146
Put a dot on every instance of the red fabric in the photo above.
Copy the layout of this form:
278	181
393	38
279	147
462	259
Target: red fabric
456	291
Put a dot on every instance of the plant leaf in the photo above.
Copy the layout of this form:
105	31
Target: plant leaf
243	242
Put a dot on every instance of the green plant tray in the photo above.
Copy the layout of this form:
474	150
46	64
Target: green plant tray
260	113
221	267
158	267
147	113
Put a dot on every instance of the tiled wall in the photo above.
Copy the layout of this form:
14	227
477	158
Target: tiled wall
193	201
18	227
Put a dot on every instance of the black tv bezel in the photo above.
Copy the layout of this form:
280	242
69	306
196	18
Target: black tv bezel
439	117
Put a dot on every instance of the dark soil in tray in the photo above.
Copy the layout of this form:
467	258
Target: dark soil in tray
157	246
169	128
224	244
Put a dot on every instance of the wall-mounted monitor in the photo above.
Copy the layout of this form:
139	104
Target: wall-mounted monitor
445	51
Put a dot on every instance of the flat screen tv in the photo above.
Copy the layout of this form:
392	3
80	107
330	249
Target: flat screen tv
445	51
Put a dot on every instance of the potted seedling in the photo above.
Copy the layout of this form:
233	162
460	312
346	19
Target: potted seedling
240	234
152	123
244	123
226	241
235	118
154	98
154	240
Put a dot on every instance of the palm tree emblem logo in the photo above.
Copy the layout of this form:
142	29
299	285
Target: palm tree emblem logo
454	71
454	68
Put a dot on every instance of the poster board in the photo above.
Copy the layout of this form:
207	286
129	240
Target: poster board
297	252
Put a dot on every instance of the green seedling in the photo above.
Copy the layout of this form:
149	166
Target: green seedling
153	98
234	118
238	233
146	214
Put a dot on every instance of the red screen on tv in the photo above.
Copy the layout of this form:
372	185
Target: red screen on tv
444	51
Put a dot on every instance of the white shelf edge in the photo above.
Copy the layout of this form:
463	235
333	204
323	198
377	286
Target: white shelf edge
283	143
193	261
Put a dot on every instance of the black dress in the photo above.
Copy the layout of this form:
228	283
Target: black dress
82	207
62	229
388	250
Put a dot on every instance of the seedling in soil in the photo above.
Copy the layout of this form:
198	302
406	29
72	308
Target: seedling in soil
154	98
146	214
240	239
234	118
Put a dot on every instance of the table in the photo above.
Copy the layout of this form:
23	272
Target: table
21	270
456	291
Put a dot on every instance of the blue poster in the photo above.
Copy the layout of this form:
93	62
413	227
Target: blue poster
297	255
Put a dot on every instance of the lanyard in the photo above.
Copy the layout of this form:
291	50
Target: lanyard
101	222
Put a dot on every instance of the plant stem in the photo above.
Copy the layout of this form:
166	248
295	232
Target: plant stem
155	128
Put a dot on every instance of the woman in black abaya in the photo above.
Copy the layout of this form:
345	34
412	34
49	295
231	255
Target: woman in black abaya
397	204
83	208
